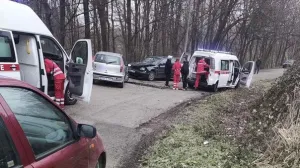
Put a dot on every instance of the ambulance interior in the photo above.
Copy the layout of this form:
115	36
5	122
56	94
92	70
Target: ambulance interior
30	60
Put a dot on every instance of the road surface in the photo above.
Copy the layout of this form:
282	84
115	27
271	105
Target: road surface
117	113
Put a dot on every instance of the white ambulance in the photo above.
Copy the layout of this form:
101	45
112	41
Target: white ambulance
225	70
24	43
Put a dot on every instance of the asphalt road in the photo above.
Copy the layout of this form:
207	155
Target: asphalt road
117	113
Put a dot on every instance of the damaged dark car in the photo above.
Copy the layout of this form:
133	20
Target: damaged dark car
150	68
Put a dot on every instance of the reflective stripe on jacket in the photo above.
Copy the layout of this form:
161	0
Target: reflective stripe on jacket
53	69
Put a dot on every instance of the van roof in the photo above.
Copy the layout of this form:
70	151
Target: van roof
21	18
219	55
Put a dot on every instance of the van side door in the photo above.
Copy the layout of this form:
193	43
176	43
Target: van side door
224	73
9	65
246	74
80	70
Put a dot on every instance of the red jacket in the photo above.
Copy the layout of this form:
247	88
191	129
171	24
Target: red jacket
53	68
201	65
176	68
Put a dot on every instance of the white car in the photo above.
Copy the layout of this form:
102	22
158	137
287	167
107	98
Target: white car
110	67
224	71
24	43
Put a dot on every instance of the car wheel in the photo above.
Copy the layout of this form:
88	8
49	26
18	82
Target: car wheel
69	100
121	85
151	76
215	87
126	78
191	85
101	162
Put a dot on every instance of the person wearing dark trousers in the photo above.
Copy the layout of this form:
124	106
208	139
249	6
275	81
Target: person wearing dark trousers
184	74
257	68
168	70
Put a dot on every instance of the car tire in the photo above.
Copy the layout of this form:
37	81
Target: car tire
121	85
69	100
215	87
101	163
151	76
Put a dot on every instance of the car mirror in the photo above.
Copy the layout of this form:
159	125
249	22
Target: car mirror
86	131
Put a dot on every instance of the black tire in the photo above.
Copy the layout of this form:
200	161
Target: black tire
190	85
121	85
69	100
151	76
215	87
101	163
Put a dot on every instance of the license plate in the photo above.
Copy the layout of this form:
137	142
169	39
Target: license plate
106	79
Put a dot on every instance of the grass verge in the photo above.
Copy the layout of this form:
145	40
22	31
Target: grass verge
209	138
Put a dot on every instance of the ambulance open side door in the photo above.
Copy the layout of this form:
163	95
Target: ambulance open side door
79	70
246	74
9	65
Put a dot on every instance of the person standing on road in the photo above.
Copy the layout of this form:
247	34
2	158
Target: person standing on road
59	80
200	71
184	74
176	68
168	70
258	63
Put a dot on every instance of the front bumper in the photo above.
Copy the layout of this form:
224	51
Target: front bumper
138	73
108	78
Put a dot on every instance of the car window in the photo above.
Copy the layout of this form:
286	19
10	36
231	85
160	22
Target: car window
80	53
108	59
44	125
247	67
163	61
51	49
236	64
224	65
8	154
7	53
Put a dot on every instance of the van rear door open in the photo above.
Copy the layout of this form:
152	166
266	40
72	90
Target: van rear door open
9	65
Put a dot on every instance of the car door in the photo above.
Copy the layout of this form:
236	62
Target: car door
9	65
49	134
79	73
224	73
246	74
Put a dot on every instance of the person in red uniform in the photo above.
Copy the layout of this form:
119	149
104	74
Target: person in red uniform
200	71
176	78
59	81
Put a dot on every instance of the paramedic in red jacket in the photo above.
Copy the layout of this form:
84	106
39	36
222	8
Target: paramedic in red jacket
200	71
176	68
59	80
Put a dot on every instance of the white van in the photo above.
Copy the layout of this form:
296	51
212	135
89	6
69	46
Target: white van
24	43
224	71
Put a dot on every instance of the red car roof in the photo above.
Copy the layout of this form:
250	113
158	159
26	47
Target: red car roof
6	81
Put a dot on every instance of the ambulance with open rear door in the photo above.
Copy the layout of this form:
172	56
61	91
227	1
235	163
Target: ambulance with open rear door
24	43
225	70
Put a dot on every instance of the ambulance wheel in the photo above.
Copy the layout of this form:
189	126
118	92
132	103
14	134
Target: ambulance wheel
215	87
69	100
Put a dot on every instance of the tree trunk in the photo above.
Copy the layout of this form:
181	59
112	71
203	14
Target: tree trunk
62	12
103	23
86	19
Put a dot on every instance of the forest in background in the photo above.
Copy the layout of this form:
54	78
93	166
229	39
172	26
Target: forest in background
269	29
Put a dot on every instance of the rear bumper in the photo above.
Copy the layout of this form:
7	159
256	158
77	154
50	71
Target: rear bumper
108	77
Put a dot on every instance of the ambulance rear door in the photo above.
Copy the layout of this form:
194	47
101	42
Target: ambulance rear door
9	66
80	74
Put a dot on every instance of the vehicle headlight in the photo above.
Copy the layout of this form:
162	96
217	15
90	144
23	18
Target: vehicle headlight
142	69
129	65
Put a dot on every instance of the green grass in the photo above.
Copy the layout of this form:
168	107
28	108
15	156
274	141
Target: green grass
183	146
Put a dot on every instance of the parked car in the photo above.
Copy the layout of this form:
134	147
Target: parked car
150	68
110	67
24	46
224	71
35	132
288	63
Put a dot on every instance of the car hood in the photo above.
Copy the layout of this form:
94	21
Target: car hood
141	64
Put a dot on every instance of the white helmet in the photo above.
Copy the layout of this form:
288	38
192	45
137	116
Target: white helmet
170	56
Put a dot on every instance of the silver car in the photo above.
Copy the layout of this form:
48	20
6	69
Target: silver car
110	67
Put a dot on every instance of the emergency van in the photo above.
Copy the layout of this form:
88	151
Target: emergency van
225	70
25	42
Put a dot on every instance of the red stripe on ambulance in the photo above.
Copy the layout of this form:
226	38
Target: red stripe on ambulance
9	67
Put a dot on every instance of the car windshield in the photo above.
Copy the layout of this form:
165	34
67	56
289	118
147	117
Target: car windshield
151	60
108	59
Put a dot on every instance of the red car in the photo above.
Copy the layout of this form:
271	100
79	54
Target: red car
36	133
